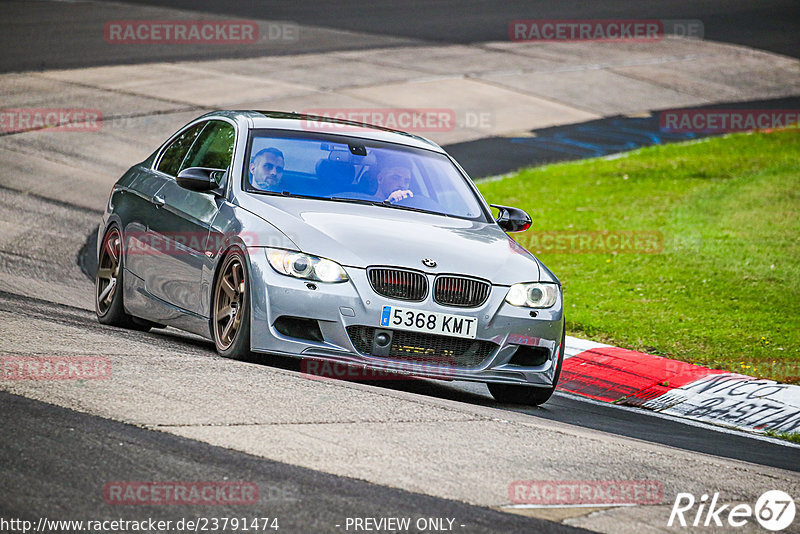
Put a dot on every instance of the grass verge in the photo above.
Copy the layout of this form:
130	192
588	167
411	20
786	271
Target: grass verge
721	289
794	437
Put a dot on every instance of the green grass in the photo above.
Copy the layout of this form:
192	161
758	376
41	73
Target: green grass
794	437
725	290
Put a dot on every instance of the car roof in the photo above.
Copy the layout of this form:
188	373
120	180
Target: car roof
282	120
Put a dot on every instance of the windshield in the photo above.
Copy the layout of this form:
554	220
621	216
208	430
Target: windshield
339	168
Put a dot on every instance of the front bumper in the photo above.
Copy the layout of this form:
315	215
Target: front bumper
336	307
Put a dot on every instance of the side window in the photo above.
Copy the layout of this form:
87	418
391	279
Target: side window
213	148
173	155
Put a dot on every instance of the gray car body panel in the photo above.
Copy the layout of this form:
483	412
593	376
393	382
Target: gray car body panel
361	235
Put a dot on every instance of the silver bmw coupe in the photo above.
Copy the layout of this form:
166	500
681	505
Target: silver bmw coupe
330	241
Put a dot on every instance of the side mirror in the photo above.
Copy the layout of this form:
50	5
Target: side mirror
512	219
200	179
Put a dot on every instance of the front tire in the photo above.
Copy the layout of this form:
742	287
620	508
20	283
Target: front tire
230	320
108	299
528	395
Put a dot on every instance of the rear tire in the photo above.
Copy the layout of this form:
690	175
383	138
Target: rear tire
108	299
528	395
230	317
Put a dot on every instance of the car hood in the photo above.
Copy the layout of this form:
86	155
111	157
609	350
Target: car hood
358	235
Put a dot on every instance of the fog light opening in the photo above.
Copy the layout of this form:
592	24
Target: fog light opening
530	356
299	328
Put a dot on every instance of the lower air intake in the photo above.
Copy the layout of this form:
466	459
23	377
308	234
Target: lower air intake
428	349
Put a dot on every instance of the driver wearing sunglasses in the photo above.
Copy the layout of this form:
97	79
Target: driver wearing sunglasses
266	169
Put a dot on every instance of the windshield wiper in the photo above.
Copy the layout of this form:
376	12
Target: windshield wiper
387	204
356	200
412	208
383	203
283	194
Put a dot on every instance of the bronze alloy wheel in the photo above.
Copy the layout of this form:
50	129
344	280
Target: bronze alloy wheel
108	285
108	267
229	302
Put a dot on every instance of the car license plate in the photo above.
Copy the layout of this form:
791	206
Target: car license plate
429	322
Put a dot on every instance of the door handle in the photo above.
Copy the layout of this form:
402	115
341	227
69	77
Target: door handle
158	201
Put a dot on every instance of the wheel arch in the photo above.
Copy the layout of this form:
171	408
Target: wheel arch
242	249
112	221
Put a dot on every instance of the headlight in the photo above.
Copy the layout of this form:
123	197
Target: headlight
533	295
304	266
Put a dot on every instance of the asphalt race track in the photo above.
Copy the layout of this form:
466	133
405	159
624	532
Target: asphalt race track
319	451
771	25
174	383
54	459
571	409
35	36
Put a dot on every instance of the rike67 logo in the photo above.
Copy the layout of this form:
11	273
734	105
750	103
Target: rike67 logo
774	510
